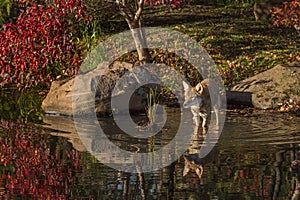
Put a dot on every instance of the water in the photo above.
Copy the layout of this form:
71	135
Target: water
252	160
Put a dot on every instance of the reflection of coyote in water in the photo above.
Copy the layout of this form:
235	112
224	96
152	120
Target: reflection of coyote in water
192	160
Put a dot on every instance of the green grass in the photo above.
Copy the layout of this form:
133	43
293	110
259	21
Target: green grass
240	46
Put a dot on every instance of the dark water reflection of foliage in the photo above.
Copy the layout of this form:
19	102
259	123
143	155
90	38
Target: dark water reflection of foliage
30	168
252	161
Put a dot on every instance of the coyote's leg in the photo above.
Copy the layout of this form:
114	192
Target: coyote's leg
216	110
196	117
204	119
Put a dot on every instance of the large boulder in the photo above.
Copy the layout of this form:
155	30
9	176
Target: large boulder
59	98
97	85
273	88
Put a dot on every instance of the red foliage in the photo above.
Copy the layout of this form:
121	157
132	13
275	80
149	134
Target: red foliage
173	3
37	47
288	14
28	167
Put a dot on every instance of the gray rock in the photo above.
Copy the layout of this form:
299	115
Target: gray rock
59	99
272	88
97	85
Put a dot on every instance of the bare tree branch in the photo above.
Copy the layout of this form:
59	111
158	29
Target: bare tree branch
125	11
139	10
133	17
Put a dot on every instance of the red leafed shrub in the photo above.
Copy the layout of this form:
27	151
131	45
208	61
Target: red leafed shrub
173	3
288	14
29	168
37	47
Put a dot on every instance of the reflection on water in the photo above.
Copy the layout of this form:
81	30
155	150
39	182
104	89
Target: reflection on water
252	160
32	164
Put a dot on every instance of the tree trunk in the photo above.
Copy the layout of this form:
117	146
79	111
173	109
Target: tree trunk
134	21
140	41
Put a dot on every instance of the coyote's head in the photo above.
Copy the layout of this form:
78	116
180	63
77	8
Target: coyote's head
192	95
190	163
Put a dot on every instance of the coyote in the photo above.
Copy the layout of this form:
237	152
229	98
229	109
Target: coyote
199	99
191	164
193	161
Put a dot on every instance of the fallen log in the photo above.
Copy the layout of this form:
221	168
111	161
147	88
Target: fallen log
239	98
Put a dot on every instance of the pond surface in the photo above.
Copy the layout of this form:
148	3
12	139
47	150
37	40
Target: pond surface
252	160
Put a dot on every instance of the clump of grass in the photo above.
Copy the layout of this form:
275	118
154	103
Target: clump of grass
152	104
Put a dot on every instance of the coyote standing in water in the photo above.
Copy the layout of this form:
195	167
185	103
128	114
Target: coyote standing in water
200	100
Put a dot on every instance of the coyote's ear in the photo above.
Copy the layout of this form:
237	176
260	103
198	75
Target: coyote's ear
186	169
199	88
199	171
185	85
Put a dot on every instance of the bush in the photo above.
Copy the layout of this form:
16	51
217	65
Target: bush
38	47
288	15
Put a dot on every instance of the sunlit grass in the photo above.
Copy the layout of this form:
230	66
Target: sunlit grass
240	46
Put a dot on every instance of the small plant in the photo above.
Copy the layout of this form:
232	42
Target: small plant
23	105
151	107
